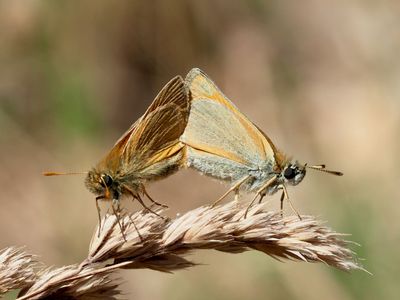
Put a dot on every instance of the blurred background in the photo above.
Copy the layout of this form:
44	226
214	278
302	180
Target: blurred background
322	80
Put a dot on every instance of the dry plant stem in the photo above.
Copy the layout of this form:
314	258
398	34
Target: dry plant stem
75	282
161	244
17	269
155	242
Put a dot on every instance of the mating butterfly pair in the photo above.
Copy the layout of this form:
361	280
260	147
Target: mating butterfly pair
191	123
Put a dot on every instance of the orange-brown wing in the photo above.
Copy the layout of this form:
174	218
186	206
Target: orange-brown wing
167	114
113	159
156	138
175	91
143	134
217	127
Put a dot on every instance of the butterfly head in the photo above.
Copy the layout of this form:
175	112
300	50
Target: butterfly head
102	184
293	173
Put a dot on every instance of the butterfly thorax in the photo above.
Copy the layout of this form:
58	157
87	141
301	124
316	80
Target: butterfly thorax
284	170
110	186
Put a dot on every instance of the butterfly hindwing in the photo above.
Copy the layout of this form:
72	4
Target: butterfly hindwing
216	126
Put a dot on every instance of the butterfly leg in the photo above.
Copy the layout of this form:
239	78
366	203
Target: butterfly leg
151	199
134	225
137	230
250	205
234	188
282	198
137	197
116	210
98	213
237	195
146	207
260	193
285	195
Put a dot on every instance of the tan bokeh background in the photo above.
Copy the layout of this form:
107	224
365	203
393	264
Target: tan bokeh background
322	80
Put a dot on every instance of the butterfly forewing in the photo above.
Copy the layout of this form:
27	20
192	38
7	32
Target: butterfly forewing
157	132
175	91
159	138
214	129
217	127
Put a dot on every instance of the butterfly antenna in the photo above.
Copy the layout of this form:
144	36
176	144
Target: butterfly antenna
62	173
322	169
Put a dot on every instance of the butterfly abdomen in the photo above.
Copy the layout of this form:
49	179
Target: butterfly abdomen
216	167
161	169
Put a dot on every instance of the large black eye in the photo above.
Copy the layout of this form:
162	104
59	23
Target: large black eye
106	179
289	173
